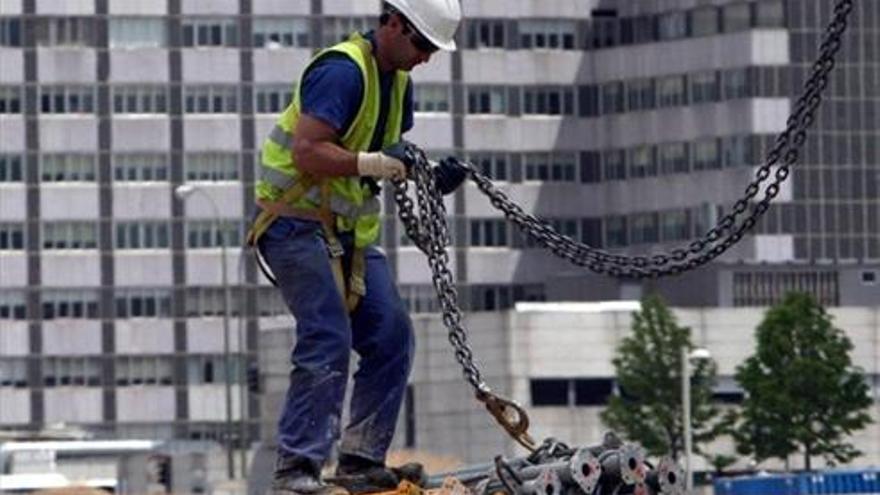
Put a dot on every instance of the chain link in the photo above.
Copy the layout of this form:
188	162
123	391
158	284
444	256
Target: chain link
430	232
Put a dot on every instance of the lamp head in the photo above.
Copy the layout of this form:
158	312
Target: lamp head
700	353
184	191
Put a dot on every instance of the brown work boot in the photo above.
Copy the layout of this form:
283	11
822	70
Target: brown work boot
360	475
294	476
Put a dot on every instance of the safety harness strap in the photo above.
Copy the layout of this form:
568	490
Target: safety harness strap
356	287
352	291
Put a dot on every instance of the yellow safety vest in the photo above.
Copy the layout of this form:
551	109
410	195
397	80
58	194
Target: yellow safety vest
343	204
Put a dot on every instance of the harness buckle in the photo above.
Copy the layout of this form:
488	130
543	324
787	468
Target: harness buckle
334	247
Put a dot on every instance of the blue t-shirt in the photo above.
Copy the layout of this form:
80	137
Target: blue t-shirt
332	91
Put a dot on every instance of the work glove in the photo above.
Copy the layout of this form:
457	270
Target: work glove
393	162
449	174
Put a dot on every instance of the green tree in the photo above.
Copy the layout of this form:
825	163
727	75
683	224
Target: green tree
648	367
802	391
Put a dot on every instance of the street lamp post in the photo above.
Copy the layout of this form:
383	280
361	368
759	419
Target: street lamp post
686	357
183	192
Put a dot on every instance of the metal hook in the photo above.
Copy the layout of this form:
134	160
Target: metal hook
510	415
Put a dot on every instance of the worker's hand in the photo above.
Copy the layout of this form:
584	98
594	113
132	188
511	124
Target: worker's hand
405	152
380	165
449	174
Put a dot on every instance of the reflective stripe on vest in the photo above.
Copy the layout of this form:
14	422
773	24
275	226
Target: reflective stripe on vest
278	136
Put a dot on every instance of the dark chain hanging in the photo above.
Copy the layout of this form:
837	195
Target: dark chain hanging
429	230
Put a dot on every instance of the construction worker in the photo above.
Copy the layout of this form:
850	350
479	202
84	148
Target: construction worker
316	230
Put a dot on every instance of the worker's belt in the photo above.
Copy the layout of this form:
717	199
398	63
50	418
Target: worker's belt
305	187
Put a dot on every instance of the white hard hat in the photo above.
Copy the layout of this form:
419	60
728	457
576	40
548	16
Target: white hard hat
437	20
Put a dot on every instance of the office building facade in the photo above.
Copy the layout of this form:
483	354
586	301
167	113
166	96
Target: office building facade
629	126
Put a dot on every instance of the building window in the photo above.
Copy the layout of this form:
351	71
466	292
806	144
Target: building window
486	33
202	370
642	162
138	32
643	229
548	101
338	29
483	99
69	303
285	31
672	25
612	97
143	303
705	21
494	165
671	91
592	391
212	167
706	156
10	32
13	372
11	236
770	14
205	234
142	235
431	98
270	302
769	288
10	99
551	167
550	391
500	297
210	32
420	298
68	168
273	98
488	233
736	151
140	99
70	235
211	99
71	371
12	305
209	301
736	17
640	95
673	158
140	167
735	83
546	33
604	32
704	87
674	226
67	99
489	297
591	168
10	168
615	232
66	31
613	165
143	370
591	232
728	397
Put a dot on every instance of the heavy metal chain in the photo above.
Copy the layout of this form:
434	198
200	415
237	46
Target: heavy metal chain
429	230
430	233
727	231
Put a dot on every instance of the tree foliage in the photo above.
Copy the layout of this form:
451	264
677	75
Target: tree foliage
648	367
802	391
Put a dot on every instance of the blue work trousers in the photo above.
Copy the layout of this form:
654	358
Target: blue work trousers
379	330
